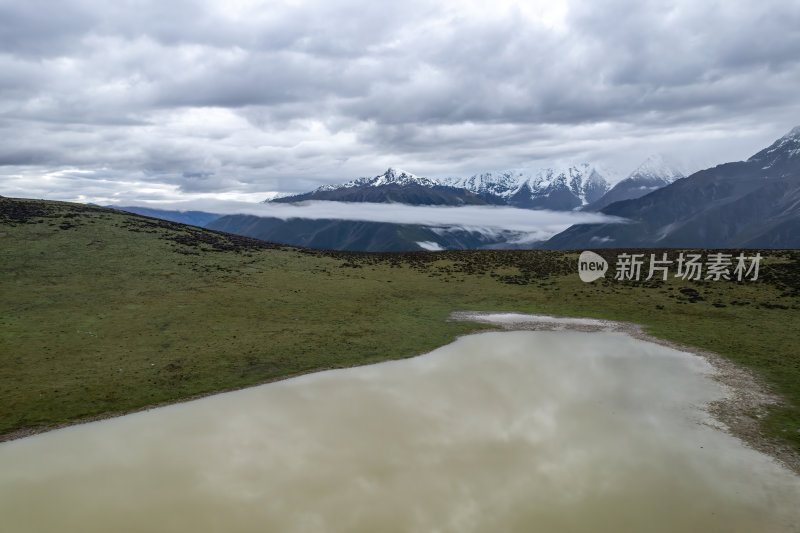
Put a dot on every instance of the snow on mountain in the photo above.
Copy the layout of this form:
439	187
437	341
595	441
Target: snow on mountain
502	184
393	186
393	176
742	204
585	181
556	188
780	153
401	177
574	185
656	169
654	173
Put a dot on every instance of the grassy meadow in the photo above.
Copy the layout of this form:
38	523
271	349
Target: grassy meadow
107	312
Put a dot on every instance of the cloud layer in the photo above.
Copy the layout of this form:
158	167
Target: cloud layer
528	225
244	97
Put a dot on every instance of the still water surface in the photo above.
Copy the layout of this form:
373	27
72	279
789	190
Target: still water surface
514	432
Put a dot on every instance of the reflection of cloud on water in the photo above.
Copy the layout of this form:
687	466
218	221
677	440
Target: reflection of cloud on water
519	431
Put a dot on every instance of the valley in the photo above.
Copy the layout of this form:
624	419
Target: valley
104	312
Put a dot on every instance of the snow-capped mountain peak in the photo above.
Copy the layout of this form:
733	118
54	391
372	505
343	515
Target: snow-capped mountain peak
656	168
794	134
500	184
400	177
780	153
547	188
654	173
393	176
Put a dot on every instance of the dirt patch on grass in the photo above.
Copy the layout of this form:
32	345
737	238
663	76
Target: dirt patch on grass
740	412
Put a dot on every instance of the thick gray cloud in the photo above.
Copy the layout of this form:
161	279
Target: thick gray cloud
244	97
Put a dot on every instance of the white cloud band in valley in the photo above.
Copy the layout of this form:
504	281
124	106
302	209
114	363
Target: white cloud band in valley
535	224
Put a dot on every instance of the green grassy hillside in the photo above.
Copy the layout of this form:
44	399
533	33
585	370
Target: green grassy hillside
104	312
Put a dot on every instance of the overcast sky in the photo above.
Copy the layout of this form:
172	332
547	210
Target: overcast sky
164	100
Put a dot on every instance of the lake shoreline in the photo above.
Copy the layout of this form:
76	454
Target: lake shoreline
31	431
740	411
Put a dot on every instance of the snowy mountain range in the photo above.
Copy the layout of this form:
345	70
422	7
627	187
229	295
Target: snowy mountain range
396	186
782	156
583	186
393	176
560	189
655	173
549	188
743	204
